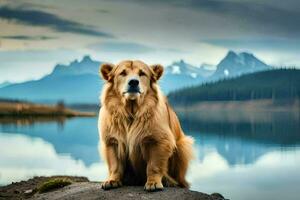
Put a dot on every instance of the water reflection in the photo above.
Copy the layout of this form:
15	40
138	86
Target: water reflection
274	176
274	128
31	120
241	155
77	136
210	174
23	157
241	138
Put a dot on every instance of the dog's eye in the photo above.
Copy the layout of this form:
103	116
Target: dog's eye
123	73
141	73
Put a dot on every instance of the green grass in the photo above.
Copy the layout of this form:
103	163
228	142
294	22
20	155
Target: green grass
53	184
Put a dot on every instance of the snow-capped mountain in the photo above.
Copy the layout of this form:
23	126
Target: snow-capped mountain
207	70
181	74
183	68
237	64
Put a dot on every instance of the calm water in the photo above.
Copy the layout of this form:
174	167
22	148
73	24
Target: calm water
242	156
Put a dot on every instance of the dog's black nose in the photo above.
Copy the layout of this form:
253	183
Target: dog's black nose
133	82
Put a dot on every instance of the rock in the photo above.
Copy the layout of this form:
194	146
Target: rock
92	190
28	192
12	191
83	189
217	196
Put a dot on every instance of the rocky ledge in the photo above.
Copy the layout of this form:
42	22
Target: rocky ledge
66	187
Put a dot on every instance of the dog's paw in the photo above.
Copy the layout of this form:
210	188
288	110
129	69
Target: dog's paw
152	186
110	184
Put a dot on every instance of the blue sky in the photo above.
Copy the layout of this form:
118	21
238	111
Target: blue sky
35	35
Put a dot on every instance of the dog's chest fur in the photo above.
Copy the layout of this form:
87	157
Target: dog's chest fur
131	129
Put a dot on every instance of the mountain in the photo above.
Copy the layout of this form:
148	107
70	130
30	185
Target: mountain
4	84
274	84
237	64
183	68
207	70
77	82
181	74
85	66
72	89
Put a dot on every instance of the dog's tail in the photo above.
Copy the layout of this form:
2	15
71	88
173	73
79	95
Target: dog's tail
169	181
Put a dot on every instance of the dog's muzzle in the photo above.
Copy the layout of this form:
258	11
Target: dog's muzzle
133	86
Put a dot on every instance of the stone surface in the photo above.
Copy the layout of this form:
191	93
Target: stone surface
81	188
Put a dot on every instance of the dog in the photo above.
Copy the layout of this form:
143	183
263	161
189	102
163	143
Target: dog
141	138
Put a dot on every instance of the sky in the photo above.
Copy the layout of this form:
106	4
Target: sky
36	35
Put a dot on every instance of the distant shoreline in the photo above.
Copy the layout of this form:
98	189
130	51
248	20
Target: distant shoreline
242	106
24	109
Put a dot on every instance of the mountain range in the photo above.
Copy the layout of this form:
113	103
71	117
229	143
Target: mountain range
79	81
181	74
73	83
85	66
183	68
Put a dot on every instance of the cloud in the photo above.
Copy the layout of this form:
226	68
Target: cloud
150	27
255	16
264	16
102	11
26	37
288	45
41	18
121	47
129	47
23	65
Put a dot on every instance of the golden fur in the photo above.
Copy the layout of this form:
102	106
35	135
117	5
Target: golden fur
141	138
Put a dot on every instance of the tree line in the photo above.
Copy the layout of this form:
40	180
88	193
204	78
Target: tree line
272	84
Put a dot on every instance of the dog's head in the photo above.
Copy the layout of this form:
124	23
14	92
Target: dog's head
131	79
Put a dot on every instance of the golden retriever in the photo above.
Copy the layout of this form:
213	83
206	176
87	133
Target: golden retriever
141	137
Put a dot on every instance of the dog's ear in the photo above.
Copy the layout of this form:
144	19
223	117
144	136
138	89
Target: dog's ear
157	71
105	71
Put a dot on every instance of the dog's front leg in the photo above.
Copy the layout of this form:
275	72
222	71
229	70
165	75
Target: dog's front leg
115	162
156	155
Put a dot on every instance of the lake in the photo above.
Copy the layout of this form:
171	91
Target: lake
240	155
